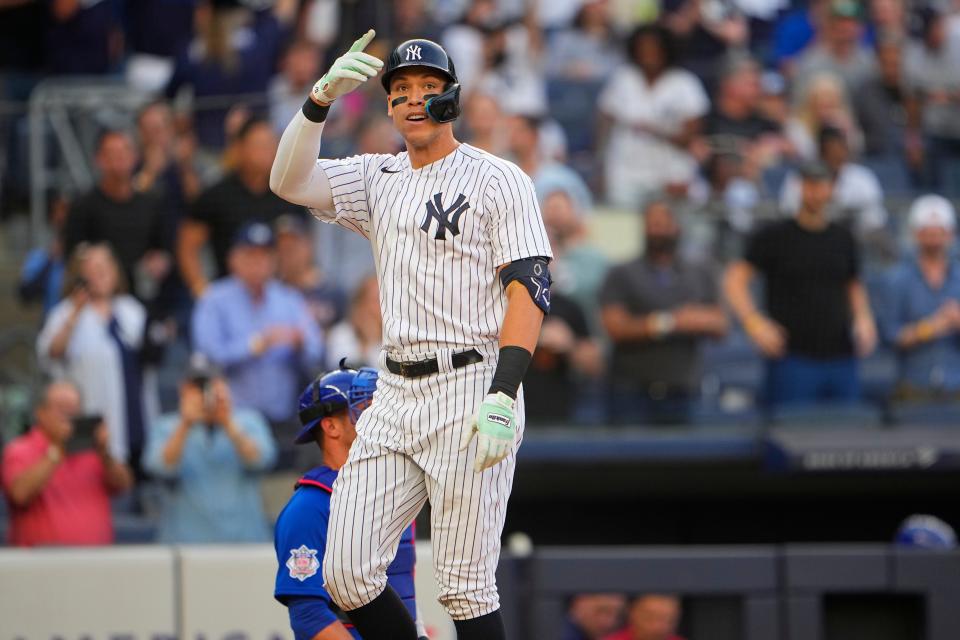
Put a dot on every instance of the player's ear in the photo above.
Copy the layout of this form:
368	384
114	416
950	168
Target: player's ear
389	106
329	426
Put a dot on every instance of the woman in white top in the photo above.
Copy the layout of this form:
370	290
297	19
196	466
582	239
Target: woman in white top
92	337
650	114
822	102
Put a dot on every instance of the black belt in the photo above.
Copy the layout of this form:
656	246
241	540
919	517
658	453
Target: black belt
427	367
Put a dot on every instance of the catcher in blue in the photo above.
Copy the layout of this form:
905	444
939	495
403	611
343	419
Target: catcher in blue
329	408
461	257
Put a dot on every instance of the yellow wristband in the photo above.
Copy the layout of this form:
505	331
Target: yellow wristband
752	322
924	330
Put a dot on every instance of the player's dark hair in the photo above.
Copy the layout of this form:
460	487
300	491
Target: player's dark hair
664	38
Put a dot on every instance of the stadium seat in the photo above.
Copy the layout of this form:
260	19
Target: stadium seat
944	413
133	529
732	375
892	173
878	375
826	414
713	416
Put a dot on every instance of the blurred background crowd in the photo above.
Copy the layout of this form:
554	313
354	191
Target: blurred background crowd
749	203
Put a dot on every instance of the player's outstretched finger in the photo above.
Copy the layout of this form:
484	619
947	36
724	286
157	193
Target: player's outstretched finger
361	43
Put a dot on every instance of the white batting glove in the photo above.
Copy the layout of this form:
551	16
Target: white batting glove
348	71
495	426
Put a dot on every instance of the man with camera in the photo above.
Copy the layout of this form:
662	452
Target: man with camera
58	477
209	455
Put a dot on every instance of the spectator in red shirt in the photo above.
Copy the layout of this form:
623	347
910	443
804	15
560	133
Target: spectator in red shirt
651	617
56	497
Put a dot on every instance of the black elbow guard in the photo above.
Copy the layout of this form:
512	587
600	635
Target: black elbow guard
533	274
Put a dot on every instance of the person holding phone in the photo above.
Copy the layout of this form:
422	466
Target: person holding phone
59	476
209	455
93	337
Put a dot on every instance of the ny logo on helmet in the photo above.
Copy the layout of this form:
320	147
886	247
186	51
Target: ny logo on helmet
448	219
413	52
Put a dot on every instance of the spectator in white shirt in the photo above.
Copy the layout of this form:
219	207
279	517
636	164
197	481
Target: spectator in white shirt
650	112
92	338
857	193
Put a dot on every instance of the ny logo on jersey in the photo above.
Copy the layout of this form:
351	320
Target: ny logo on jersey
413	52
448	219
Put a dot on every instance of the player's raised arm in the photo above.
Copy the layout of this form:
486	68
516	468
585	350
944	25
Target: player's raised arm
295	175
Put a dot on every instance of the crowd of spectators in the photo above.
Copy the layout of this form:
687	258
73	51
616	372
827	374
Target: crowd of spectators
752	142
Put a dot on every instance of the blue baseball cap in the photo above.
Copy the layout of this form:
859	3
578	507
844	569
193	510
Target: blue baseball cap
254	234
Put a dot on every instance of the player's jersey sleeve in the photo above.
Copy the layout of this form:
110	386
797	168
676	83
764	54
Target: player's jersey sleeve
300	541
347	177
515	226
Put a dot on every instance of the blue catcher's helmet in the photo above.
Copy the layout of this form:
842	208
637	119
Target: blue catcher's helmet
342	389
361	391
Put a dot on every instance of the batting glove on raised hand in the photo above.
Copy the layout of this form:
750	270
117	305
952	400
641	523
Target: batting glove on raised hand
348	71
495	426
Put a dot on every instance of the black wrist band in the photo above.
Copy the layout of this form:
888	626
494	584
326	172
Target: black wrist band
511	367
314	112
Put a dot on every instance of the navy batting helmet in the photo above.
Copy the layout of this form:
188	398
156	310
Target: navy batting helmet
333	392
443	107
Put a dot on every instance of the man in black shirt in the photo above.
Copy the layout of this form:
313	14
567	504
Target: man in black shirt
658	309
817	315
114	212
242	197
566	357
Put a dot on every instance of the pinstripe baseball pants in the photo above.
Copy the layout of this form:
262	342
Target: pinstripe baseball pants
407	452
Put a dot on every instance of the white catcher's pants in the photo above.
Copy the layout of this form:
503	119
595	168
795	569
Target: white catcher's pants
407	452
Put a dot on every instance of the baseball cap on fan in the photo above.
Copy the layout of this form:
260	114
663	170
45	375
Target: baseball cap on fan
932	211
254	234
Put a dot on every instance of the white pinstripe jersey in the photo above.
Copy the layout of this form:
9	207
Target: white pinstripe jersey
438	235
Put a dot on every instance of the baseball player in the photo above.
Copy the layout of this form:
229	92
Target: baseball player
461	258
329	408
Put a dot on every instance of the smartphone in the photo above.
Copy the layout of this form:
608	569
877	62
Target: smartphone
83	430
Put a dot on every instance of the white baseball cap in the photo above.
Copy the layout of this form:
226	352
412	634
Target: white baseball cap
932	211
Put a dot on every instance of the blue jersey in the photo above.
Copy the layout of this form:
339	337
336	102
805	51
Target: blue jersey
300	539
